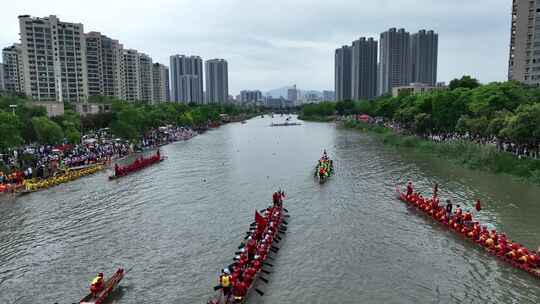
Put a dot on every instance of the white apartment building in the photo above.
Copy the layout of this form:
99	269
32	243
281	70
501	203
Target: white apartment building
13	69
146	75
160	80
130	76
54	59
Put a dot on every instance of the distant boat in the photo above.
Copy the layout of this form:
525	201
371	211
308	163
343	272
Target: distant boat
285	124
244	122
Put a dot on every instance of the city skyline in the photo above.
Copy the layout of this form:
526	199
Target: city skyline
272	54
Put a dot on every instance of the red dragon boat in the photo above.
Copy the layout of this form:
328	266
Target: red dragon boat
254	251
137	165
492	242
108	288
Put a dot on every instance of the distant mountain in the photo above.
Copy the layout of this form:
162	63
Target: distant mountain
279	92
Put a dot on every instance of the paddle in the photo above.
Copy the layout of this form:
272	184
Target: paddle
130	269
286	210
285	223
265	271
259	292
265	263
263	279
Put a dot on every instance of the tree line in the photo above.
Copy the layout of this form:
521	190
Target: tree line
28	124
507	111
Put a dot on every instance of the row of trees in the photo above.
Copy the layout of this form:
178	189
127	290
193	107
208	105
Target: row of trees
26	124
505	110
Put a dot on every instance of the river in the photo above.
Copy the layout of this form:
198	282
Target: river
349	240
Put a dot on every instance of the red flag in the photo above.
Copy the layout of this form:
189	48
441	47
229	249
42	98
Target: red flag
259	219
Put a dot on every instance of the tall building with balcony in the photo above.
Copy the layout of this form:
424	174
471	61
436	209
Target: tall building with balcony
217	81
186	79
103	60
130	76
146	78
394	62
54	59
160	80
13	69
364	69
424	52
524	58
343	73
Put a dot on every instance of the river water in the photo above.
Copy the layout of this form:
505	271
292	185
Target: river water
349	240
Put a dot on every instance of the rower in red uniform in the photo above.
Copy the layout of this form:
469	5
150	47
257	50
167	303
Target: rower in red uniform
97	284
251	247
477	206
276	198
249	274
410	189
239	291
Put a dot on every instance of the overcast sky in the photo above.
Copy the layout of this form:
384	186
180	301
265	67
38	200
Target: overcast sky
272	43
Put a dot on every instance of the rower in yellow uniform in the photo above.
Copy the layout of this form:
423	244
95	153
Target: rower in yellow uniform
225	283
97	284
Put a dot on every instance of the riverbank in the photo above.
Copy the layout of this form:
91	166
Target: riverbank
465	153
317	118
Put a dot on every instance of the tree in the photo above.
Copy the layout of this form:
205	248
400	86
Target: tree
524	126
423	123
364	107
10	136
344	107
465	82
47	131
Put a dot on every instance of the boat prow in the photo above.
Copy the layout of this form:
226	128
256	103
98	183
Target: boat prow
109	286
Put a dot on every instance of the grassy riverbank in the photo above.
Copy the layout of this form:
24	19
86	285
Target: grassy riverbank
470	155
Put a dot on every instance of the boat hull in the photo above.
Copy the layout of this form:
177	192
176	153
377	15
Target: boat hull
220	299
110	285
534	271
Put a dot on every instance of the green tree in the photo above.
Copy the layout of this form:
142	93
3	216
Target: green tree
423	123
524	126
465	82
10	136
364	107
47	131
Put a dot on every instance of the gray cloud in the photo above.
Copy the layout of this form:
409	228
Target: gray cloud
273	43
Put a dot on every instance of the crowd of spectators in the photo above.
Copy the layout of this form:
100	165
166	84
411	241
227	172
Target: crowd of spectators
520	151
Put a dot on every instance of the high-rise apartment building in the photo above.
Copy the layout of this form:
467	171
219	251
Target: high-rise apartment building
524	59
145	78
423	55
292	95
103	61
343	73
160	80
250	96
364	69
2	81
328	95
217	81
13	69
187	79
130	76
394	63
54	59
